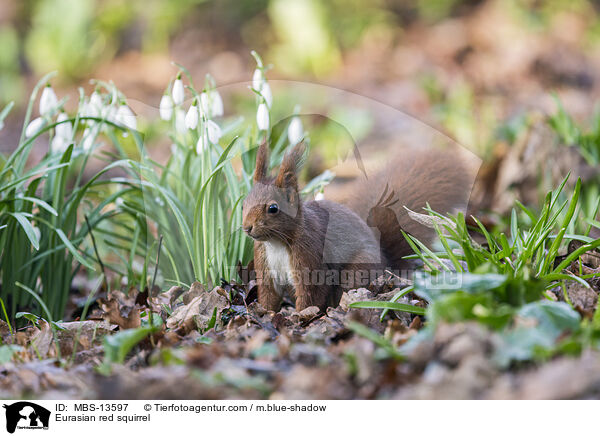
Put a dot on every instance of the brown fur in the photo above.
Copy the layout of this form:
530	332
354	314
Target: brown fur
328	238
412	179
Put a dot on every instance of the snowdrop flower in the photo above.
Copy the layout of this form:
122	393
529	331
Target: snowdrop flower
64	133
267	95
34	126
180	120
125	117
295	131
191	118
89	135
217	104
166	107
58	144
257	79
259	84
65	129
262	117
319	196
202	142
205	104
214	131
211	103
1	124
48	100
94	106
111	113
178	91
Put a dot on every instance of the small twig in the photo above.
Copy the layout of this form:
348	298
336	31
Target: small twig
97	253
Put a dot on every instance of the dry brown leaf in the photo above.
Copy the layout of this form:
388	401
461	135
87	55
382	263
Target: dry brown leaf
113	315
198	312
41	339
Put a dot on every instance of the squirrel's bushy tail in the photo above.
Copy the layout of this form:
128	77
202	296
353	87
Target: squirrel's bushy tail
412	178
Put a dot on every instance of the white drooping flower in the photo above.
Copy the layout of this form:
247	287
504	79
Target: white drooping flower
34	126
166	107
88	138
178	91
94	106
64	129
58	144
191	118
180	120
267	95
211	103
126	117
213	131
262	117
110	113
205	104
202	142
260	85
319	196
257	79
1	124
48	100
63	134
217	104
295	131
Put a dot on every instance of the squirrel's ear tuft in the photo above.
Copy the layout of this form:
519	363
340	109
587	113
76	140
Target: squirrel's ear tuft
288	173
262	162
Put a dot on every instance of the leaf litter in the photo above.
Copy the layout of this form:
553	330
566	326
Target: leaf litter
221	344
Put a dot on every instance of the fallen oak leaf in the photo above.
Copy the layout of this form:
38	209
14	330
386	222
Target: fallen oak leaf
166	299
42	338
112	314
199	312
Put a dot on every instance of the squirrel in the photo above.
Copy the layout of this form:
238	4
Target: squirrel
312	251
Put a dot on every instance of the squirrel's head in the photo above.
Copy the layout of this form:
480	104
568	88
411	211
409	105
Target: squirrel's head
271	211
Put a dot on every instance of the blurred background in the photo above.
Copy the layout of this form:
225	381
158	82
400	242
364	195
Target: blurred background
489	59
474	69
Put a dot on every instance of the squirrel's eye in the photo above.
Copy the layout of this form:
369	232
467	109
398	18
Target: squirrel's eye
273	208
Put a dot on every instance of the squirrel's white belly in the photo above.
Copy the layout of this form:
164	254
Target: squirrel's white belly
280	267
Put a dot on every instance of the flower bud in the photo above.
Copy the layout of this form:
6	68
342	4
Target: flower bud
59	144
213	131
257	79
295	131
217	104
178	91
64	129
262	117
48	100
126	117
191	118
267	95
34	126
166	107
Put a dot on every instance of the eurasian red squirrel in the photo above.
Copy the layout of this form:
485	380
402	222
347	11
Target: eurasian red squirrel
315	250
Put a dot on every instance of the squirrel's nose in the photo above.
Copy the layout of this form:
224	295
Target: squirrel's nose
247	229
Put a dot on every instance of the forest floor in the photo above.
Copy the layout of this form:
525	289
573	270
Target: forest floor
219	343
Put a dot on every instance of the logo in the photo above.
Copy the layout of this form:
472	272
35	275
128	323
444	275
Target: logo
26	415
